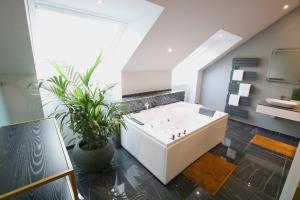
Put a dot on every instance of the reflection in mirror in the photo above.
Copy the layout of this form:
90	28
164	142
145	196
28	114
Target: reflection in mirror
285	66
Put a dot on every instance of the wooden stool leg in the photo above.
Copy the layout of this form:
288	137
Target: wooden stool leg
73	184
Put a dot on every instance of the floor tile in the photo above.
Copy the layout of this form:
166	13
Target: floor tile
182	186
234	189
260	173
240	131
261	170
287	167
232	152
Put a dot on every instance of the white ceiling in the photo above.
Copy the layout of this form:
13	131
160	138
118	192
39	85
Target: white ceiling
185	25
15	47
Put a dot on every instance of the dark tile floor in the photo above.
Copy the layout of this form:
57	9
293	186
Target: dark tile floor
260	174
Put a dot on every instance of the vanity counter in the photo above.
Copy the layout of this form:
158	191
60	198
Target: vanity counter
275	111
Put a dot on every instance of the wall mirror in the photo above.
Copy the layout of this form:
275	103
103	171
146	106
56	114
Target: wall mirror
284	66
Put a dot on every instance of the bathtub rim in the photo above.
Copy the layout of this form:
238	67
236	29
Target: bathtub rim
169	145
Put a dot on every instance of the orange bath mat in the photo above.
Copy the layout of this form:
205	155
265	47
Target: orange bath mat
210	172
274	145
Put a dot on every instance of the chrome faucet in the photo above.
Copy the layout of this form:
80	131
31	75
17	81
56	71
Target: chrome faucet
173	137
147	105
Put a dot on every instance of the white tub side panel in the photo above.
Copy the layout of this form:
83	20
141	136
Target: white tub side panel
145	149
186	152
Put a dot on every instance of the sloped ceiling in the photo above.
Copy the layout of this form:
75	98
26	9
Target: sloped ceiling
185	25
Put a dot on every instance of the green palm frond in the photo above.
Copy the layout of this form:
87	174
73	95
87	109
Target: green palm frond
81	106
85	78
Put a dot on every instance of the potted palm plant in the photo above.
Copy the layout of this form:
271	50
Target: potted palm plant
84	108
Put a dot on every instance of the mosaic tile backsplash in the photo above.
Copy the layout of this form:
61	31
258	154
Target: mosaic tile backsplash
132	104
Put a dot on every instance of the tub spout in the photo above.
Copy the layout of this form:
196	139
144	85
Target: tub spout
147	105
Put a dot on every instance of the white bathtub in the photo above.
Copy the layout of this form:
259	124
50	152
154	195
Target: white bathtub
153	144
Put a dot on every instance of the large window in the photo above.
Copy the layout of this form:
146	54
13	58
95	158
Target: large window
73	38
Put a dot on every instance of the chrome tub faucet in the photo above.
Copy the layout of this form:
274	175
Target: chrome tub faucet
147	105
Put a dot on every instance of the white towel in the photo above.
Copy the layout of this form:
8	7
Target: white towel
234	100
244	89
237	75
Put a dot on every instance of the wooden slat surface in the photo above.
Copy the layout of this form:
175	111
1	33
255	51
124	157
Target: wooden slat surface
210	172
30	152
274	145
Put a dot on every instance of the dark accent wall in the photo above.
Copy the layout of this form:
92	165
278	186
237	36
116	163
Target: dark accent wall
285	33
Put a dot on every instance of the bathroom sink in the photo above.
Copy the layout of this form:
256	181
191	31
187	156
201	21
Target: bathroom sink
281	103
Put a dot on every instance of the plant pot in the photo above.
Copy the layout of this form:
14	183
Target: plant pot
117	140
93	160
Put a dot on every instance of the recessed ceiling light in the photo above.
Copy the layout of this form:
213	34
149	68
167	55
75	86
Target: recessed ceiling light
170	49
220	35
286	6
100	2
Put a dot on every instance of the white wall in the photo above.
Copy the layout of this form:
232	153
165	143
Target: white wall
283	34
20	103
185	79
145	81
16	65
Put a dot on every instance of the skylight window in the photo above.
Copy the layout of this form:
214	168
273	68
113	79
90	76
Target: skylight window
215	46
186	74
72	38
75	32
